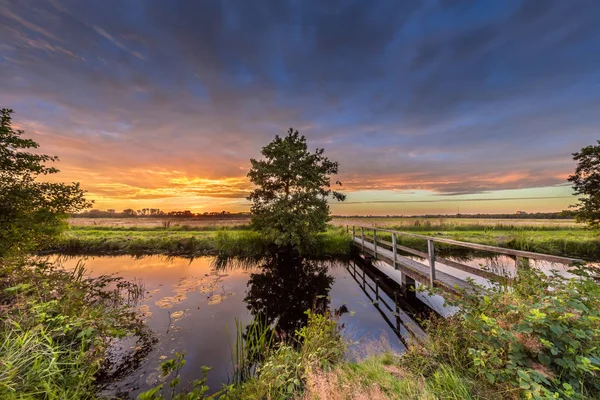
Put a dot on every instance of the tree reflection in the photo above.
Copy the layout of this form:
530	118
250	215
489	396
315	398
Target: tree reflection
285	288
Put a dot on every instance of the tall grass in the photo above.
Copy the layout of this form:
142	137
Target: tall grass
283	372
55	328
252	343
243	245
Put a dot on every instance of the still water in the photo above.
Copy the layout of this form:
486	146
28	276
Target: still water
191	306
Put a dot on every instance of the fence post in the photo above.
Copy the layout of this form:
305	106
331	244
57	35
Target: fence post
347	229
362	234
394	250
431	255
353	233
375	242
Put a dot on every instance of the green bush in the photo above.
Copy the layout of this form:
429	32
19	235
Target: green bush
540	338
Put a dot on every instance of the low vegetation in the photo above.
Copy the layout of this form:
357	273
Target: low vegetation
55	329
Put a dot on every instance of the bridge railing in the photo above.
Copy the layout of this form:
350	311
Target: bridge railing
431	256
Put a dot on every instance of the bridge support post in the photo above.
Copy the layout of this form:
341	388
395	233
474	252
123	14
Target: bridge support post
431	256
397	312
394	250
362	234
375	243
408	287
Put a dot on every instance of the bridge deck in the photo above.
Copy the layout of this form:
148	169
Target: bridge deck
414	269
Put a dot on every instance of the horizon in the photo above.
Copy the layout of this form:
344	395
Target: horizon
430	108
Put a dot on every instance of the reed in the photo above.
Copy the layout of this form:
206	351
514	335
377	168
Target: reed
252	343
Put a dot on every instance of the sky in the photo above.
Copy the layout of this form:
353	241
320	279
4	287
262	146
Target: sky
429	106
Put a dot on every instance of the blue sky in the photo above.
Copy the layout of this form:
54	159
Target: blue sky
429	106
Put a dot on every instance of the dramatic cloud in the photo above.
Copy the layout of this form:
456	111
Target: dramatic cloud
166	101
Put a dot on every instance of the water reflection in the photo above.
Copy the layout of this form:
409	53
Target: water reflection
191	305
286	286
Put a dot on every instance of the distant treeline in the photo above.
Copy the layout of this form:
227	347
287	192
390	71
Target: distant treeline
157	213
567	214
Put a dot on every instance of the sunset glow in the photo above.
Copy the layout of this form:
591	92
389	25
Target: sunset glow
429	107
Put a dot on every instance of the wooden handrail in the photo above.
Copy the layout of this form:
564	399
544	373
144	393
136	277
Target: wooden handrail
475	246
451	263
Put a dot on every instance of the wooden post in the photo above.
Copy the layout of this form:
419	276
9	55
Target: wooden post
397	312
353	233
431	255
408	287
362	234
347	229
375	243
394	249
377	289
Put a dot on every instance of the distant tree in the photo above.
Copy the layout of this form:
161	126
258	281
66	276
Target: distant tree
128	212
586	183
32	212
290	202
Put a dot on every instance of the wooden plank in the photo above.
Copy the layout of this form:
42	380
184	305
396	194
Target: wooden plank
493	249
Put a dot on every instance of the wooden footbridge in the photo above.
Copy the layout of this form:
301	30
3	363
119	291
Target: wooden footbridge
407	271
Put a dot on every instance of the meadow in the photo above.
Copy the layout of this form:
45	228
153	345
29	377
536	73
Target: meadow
193	237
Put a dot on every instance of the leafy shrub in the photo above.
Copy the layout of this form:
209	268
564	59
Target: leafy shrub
542	337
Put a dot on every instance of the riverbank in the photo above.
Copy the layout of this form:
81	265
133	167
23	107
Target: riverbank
193	241
186	242
538	340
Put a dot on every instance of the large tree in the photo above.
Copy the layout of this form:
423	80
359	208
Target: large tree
293	185
32	211
586	183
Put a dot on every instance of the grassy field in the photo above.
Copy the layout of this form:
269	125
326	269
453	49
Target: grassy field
400	222
405	223
193	237
185	241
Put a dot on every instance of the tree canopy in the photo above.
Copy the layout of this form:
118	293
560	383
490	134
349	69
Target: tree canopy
586	183
32	211
293	185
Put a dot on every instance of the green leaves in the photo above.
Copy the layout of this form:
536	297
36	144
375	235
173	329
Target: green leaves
545	342
32	212
173	366
289	203
586	183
